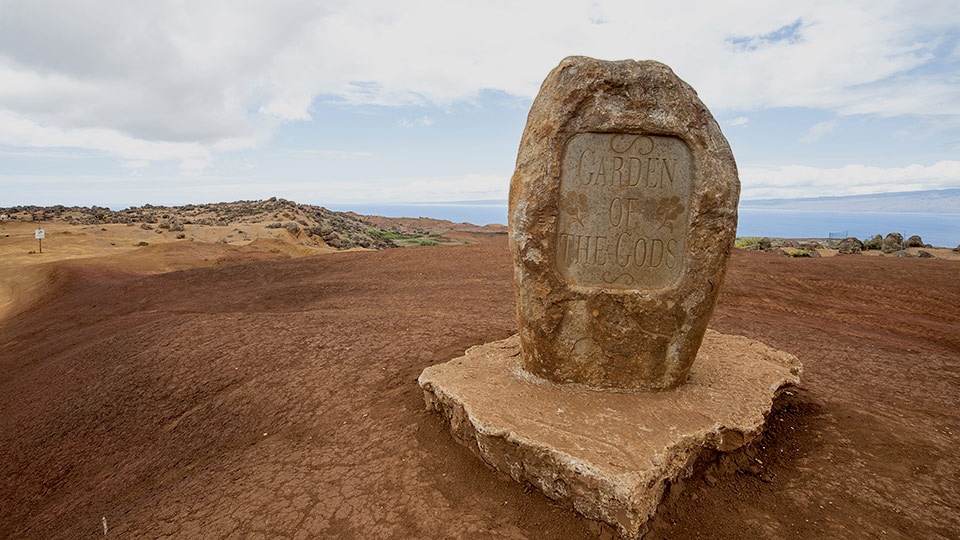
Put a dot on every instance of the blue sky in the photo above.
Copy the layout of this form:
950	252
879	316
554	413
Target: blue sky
122	103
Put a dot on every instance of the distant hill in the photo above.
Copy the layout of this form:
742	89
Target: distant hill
939	201
248	220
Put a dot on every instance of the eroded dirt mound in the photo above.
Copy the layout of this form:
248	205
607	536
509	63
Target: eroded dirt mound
279	399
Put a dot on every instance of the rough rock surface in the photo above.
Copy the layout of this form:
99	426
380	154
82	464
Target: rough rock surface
915	241
850	246
610	454
623	212
892	242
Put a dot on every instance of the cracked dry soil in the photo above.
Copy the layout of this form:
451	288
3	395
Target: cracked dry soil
278	399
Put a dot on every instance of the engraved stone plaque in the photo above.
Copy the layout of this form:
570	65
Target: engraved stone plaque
623	210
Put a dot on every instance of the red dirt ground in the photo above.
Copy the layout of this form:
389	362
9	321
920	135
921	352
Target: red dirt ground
278	399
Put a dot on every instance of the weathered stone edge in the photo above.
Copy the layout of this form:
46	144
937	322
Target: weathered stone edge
594	495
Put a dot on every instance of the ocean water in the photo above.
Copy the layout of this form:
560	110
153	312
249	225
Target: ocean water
480	213
937	229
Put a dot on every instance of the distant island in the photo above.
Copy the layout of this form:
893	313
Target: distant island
937	201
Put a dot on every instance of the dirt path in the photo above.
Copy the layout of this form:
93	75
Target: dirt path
278	399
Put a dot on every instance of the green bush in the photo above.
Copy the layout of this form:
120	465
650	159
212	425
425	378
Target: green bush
391	235
748	242
875	242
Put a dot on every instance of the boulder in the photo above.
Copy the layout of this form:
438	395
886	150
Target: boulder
914	242
893	242
850	246
623	213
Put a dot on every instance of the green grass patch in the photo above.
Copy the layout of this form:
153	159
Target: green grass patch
392	235
748	242
406	240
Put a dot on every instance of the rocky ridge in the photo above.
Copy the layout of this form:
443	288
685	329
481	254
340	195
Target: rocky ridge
893	244
308	224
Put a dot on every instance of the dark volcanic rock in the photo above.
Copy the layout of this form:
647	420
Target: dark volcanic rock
850	246
914	241
892	242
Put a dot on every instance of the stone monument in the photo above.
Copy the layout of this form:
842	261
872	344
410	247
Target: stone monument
623	212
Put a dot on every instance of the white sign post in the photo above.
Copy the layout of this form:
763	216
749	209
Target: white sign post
39	235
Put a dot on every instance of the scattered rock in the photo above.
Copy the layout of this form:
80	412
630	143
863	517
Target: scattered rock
914	242
925	254
353	230
893	242
850	246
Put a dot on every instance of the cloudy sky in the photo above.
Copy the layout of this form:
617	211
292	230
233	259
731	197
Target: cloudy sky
125	102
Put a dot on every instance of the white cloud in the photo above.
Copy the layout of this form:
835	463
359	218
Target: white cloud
169	80
596	14
203	71
341	154
802	181
18	131
818	130
423	121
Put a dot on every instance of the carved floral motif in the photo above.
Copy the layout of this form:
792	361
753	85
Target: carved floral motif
667	211
575	205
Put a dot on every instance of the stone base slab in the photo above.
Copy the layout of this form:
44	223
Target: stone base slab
610	454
